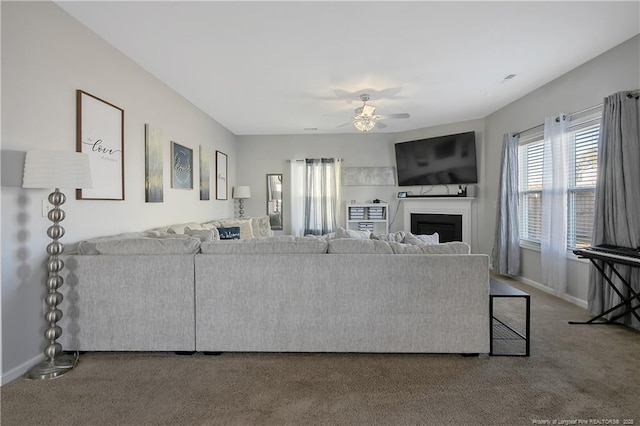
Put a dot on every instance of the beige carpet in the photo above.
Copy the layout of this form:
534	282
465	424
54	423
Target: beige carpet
575	373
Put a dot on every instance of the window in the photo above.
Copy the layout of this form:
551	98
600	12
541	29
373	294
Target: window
530	192
581	185
582	169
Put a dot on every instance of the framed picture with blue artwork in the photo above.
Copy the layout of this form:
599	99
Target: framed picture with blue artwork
181	166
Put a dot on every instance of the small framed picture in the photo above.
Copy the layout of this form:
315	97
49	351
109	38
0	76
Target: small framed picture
402	195
181	166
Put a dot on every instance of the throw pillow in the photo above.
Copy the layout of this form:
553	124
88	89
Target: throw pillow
180	227
349	233
418	240
246	231
261	227
230	233
393	236
203	234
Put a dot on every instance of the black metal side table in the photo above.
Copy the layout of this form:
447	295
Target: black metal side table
502	331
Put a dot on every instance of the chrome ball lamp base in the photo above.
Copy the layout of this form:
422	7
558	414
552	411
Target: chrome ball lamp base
56	363
241	207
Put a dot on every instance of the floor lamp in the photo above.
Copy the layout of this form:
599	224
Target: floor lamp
46	170
241	193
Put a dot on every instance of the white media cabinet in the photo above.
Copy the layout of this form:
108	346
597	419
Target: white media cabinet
372	217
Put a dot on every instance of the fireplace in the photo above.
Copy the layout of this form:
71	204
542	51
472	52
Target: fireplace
448	226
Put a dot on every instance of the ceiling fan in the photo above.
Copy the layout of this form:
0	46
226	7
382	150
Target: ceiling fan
365	117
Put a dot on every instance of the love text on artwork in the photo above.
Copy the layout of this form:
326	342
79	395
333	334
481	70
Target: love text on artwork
98	147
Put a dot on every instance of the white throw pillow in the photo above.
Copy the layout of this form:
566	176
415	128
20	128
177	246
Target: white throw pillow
418	240
349	233
393	236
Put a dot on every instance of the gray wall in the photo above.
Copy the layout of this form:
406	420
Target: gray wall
46	56
586	86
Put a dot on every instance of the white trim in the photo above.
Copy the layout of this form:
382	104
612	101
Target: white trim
571	299
21	369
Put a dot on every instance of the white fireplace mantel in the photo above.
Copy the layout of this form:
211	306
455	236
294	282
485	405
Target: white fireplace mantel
439	205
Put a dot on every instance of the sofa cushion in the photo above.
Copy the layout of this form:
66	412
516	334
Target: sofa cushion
358	246
146	245
421	239
454	247
282	244
350	233
393	236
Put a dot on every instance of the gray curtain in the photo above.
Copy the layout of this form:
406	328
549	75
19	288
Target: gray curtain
506	247
617	203
321	195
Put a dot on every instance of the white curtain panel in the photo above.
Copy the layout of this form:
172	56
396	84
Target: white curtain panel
297	197
554	204
315	196
322	195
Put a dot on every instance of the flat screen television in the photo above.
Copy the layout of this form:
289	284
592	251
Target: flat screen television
441	160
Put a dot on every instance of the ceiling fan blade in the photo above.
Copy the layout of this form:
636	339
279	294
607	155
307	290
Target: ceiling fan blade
403	115
380	125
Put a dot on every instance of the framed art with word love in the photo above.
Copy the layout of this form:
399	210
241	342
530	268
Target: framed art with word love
100	135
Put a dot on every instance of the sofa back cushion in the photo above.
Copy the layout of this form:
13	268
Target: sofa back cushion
89	246
284	244
146	245
454	247
358	246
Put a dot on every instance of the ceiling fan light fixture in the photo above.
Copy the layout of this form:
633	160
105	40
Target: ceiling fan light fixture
364	123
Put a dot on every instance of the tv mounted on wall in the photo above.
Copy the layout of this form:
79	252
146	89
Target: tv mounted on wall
441	160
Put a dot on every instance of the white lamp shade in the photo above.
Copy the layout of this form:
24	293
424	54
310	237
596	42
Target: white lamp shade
56	169
241	192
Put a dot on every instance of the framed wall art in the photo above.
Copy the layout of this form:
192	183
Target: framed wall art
205	175
221	175
100	135
153	164
181	166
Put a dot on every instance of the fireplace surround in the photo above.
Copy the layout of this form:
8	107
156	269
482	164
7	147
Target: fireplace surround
451	209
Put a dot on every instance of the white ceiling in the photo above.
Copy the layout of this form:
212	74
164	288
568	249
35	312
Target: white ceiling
263	68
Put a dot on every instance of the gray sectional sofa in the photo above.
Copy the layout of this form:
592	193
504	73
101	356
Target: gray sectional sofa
274	294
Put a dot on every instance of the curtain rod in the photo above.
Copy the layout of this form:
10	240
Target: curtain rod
303	159
582	111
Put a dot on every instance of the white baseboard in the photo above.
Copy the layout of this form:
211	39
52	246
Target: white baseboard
571	299
18	371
